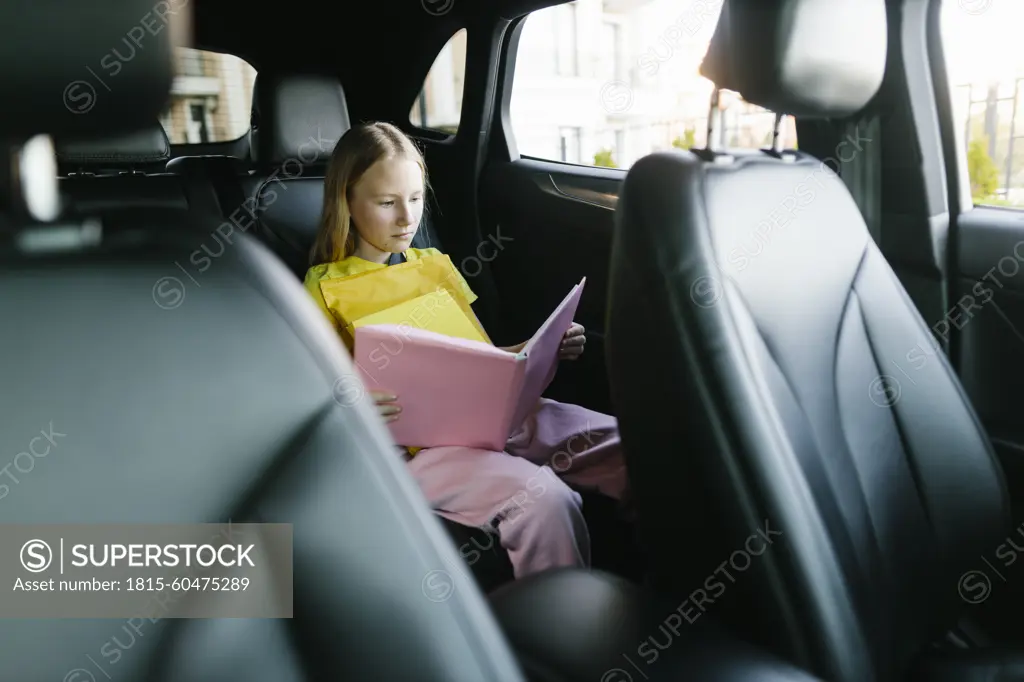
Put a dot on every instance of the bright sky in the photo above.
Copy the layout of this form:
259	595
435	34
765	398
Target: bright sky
983	39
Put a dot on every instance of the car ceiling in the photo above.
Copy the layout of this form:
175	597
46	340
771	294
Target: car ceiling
381	50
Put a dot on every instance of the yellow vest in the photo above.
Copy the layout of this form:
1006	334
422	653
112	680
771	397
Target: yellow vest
352	266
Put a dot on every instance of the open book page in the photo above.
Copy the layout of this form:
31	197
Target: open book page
456	391
541	354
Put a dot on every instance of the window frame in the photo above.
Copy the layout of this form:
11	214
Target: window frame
420	100
946	94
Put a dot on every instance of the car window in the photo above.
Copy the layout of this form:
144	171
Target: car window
439	104
606	82
211	98
985	62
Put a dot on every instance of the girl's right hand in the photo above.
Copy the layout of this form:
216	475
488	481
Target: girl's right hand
386	405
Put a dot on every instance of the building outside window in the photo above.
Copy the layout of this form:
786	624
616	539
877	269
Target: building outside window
190	63
198	123
211	98
566	50
570	139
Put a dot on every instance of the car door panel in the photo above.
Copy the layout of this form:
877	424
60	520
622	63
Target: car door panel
556	221
987	317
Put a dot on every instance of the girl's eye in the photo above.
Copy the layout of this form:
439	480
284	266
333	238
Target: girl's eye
416	199
387	204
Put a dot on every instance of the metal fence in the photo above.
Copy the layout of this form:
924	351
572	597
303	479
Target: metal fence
995	115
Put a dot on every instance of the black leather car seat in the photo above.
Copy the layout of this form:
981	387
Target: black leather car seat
115	176
781	413
215	402
143	151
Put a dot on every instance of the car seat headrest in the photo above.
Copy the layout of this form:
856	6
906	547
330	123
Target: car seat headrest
296	117
806	58
71	69
147	147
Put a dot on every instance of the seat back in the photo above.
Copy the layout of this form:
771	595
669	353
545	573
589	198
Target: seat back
142	151
206	399
113	175
837	490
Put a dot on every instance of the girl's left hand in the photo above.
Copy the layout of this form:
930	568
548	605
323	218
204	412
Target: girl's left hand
572	342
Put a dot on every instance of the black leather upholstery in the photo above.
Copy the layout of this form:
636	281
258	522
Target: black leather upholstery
616	632
802	57
117	196
122	178
780	316
144	149
289	215
221	399
997	665
203	397
58	76
296	117
788	368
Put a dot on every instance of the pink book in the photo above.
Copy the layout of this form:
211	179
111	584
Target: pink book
457	391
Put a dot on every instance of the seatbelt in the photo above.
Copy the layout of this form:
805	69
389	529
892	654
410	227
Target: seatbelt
859	155
227	185
214	189
396	258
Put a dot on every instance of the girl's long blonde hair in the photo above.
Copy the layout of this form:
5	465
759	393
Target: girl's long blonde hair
358	149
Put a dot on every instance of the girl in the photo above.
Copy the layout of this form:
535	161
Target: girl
373	202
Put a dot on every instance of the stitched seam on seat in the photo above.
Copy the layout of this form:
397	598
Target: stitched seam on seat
793	460
850	548
789	385
719	419
795	470
852	297
259	213
885	655
915	473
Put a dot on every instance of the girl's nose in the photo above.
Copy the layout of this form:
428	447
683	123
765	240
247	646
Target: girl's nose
405	218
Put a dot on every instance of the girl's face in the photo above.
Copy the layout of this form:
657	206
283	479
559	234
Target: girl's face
386	206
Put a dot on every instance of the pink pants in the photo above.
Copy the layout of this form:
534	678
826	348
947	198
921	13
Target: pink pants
539	517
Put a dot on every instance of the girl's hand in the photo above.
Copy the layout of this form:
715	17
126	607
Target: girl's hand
572	342
386	405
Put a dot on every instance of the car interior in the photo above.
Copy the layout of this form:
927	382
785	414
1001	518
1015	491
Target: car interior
811	349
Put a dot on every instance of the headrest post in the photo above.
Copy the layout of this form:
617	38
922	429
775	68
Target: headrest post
777	134
714	120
